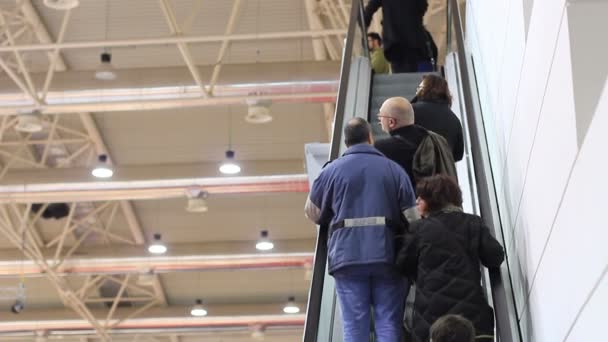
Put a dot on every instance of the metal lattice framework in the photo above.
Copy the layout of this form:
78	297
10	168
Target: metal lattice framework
65	144
72	140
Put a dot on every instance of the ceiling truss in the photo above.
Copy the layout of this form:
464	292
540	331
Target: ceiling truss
63	146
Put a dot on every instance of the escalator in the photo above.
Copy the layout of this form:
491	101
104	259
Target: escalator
360	95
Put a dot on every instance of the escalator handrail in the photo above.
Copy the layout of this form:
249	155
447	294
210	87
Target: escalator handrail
313	314
507	327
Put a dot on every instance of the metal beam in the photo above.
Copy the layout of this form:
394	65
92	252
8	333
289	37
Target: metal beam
150	189
150	88
173	40
320	53
144	172
127	259
142	105
182	47
30	13
159	325
225	43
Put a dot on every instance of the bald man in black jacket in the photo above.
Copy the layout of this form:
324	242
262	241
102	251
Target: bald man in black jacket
404	37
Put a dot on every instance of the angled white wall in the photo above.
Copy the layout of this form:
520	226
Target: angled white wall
541	71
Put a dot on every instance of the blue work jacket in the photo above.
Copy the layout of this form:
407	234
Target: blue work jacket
362	183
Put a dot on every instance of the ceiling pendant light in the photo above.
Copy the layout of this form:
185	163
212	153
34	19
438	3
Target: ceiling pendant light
198	310
103	168
157	246
229	166
291	307
105	71
264	243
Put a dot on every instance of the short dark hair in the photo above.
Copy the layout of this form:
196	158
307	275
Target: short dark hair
356	132
434	88
452	328
375	36
438	191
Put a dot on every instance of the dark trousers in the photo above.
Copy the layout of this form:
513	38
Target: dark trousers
406	60
404	66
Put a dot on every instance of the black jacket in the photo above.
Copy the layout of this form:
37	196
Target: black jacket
439	118
401	150
402	27
442	254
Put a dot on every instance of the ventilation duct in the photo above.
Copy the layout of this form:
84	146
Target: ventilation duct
258	111
61	5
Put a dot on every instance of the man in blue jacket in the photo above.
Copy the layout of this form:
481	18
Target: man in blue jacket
362	197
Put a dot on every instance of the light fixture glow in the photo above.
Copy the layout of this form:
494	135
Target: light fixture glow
264	243
229	167
105	71
157	246
291	307
198	310
102	169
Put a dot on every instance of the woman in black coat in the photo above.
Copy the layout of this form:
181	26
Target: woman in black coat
432	111
442	253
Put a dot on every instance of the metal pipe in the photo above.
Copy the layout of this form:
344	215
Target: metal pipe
159	264
162	97
152	325
172	40
182	47
55	55
149	189
30	13
225	43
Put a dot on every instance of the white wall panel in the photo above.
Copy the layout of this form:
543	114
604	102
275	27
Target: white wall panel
550	161
593	316
540	47
576	255
511	65
548	191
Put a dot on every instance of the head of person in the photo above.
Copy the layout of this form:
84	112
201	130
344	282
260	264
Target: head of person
437	192
374	41
357	131
452	328
434	88
395	112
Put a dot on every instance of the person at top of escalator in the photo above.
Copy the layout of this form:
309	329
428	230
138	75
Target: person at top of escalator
379	63
366	201
432	107
442	253
407	44
420	152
